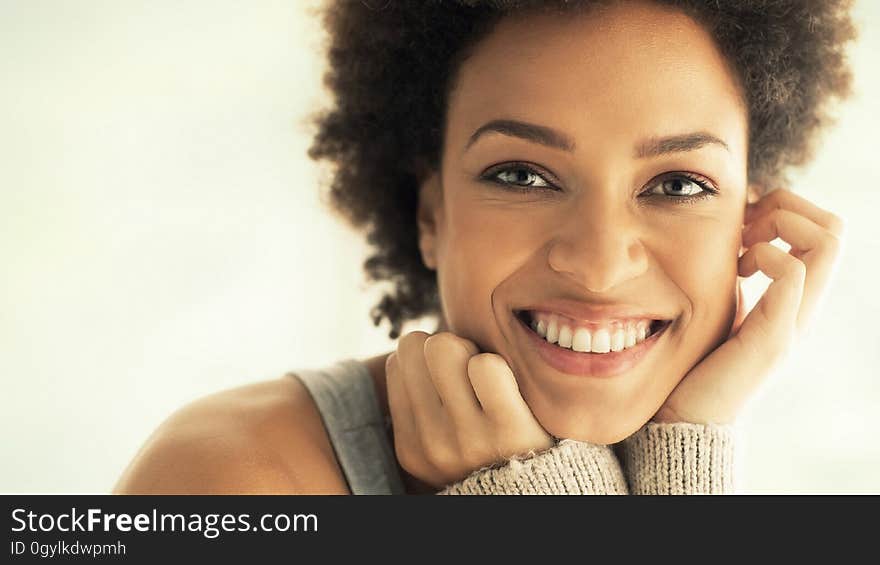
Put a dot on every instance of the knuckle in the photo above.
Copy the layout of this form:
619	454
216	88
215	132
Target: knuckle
797	268
831	243
441	456
836	224
412	340
781	220
432	439
784	215
412	344
439	342
442	338
485	362
409	459
763	248
765	253
476	363
449	342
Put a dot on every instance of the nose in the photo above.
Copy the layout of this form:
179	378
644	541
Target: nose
598	248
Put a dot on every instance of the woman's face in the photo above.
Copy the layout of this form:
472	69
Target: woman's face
622	139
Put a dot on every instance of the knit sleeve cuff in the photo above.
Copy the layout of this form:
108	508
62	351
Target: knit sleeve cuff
569	467
680	458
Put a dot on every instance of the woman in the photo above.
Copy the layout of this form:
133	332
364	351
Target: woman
573	188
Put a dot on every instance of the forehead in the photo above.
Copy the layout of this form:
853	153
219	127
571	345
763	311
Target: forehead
623	71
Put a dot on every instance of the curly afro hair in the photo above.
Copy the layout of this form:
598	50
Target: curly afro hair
392	64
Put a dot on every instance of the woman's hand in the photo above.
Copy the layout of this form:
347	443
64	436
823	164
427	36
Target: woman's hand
715	389
454	409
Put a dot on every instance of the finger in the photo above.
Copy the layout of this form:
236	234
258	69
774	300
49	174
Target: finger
736	369
799	231
496	388
447	356
788	200
406	437
403	422
776	311
816	246
426	404
740	315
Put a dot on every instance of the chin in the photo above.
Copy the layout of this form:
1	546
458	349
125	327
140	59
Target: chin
600	430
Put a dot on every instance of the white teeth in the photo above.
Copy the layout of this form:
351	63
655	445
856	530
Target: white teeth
617	339
601	342
620	335
630	337
541	328
552	330
581	340
565	336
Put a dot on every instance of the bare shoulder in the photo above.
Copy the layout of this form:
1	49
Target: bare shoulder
265	437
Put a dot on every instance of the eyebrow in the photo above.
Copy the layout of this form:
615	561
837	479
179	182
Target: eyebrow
676	143
550	137
524	130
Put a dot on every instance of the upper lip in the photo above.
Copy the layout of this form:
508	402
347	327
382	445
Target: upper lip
593	312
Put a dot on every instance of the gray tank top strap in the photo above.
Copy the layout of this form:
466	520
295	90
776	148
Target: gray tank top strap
345	396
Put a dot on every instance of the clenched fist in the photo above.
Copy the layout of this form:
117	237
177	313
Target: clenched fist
454	409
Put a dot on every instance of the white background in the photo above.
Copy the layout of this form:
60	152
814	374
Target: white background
162	238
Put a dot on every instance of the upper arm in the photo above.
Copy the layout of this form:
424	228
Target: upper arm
259	439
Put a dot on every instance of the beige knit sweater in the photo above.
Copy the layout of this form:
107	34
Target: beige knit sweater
678	458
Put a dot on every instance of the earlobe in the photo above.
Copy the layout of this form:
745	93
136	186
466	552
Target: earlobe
426	218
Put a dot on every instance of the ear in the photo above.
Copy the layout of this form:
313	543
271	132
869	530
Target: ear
429	208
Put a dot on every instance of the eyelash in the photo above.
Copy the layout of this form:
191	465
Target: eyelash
708	190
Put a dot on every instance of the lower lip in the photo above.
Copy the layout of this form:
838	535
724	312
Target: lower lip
601	365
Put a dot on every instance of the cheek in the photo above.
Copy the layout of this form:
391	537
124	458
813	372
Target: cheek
700	257
479	247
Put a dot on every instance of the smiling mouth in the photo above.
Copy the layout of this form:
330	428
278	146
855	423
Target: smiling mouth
608	337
